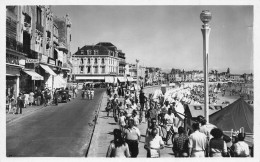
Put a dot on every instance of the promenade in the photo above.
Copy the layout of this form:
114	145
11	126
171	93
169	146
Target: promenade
103	133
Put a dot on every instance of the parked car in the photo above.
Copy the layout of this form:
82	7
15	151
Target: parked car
63	96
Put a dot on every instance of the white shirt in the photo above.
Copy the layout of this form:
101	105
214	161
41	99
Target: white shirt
122	120
170	118
241	148
198	141
154	142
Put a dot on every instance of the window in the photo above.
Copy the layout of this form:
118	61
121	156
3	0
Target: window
81	69
102	61
95	52
95	69
82	61
39	16
95	61
82	52
88	60
88	52
103	69
88	69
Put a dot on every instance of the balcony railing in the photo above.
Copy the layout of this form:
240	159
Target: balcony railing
14	45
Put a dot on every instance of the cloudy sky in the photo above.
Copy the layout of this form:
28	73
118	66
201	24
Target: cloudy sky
167	36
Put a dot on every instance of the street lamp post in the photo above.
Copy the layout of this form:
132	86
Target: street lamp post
205	17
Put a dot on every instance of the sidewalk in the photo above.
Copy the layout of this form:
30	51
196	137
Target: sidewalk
10	117
103	134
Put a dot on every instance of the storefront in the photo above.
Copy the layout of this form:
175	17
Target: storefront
13	79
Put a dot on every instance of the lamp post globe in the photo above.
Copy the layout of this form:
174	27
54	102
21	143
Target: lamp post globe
205	16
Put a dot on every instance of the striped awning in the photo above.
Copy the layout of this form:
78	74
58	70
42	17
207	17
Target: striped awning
34	75
48	70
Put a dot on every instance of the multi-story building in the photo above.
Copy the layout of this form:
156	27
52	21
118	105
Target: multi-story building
98	63
30	44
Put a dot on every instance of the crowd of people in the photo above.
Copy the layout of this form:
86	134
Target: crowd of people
131	108
38	97
87	91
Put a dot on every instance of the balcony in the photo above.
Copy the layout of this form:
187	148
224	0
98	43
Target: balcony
39	27
14	45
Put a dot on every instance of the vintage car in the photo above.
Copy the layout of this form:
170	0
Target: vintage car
63	96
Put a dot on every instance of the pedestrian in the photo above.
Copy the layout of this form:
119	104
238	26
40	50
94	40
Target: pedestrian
55	97
39	97
204	127
151	113
19	105
135	118
217	146
122	121
132	135
197	142
31	98
241	149
87	94
152	126
153	144
118	147
180	144
76	91
92	93
142	100
170	121
26	99
73	92
83	93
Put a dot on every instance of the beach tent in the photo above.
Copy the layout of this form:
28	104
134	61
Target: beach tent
234	116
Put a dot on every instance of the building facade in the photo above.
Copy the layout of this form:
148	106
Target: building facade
31	39
102	62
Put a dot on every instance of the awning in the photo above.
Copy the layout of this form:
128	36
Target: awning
34	75
59	82
121	79
109	79
90	78
48	69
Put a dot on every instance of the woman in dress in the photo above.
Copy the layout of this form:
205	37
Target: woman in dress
118	147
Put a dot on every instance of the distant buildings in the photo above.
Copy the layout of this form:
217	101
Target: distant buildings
37	49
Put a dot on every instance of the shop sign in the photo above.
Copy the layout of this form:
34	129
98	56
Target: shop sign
22	62
32	61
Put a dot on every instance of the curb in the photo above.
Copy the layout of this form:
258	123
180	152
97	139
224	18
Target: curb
96	122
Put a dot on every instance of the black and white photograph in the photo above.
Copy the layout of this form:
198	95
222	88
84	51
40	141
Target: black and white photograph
129	80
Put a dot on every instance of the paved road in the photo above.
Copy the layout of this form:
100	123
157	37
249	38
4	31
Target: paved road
54	131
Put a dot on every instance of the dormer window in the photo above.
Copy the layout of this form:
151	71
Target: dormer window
95	52
88	52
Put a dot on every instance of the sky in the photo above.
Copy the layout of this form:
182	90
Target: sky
167	36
